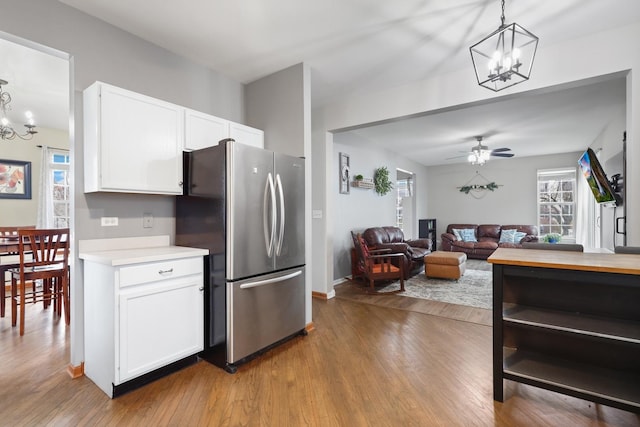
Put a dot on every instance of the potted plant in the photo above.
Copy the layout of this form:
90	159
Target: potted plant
552	238
358	177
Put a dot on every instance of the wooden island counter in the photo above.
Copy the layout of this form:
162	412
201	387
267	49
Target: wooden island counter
568	322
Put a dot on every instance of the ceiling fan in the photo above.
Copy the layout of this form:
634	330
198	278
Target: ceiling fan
480	153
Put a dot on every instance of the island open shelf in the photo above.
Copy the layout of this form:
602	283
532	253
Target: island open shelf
568	322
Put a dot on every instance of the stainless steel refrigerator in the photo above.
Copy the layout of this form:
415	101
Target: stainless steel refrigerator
246	206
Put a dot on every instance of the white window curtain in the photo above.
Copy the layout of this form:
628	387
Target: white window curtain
587	218
44	218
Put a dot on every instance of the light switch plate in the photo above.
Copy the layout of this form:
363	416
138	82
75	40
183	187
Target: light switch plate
109	221
147	220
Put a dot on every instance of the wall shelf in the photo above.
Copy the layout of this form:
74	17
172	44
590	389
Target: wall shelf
365	183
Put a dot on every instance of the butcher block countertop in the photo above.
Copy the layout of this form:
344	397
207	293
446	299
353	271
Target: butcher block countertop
134	250
566	260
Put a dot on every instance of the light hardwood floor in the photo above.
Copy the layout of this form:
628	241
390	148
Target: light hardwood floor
363	365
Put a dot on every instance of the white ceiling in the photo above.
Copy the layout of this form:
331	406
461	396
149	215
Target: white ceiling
546	123
353	46
38	82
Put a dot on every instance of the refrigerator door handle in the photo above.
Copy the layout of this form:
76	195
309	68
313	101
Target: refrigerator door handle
281	216
272	280
269	229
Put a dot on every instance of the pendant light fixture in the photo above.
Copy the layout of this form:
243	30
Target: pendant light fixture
504	58
6	130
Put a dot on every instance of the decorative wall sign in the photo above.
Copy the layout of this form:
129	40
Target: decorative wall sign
478	185
15	179
344	173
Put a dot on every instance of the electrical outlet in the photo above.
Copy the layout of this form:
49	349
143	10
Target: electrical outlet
147	220
109	221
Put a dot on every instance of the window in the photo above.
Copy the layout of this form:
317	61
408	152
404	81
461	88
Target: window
59	188
557	202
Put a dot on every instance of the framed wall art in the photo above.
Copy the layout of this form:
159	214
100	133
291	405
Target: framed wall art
15	179
344	173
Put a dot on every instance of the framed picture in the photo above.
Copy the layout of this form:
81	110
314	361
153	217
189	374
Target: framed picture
344	173
15	179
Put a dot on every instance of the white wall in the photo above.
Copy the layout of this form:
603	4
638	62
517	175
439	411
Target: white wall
363	208
513	202
25	211
555	65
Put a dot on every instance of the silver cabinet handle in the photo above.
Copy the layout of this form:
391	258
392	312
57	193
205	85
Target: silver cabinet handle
169	271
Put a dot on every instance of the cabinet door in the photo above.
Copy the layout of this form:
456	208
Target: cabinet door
246	135
159	323
203	130
141	140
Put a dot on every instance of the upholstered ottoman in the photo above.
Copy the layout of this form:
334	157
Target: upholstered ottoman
445	265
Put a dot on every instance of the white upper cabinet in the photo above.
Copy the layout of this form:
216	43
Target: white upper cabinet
132	143
246	135
203	130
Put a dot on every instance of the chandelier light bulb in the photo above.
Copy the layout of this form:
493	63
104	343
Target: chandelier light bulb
516	53
5	121
471	158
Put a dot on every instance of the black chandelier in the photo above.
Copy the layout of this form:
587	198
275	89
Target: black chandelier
6	130
504	58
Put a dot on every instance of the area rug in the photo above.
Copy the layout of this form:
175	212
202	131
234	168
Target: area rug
474	289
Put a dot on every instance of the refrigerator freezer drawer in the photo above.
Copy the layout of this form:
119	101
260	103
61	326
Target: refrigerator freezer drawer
262	311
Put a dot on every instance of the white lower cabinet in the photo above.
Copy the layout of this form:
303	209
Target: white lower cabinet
139	318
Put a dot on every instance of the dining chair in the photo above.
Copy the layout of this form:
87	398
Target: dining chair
44	258
8	257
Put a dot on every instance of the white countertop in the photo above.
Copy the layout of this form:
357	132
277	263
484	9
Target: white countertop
124	251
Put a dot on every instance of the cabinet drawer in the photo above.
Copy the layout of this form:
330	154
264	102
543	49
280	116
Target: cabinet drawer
153	272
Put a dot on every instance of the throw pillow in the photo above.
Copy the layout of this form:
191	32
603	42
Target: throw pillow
519	235
468	235
507	236
456	233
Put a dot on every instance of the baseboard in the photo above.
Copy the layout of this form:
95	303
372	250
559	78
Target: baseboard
310	327
75	371
323	296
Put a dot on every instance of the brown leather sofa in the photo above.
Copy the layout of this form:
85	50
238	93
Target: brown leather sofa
392	238
488	239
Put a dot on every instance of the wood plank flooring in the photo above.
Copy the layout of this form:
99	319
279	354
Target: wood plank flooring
363	365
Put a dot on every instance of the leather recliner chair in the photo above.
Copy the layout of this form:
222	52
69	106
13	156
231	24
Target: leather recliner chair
392	238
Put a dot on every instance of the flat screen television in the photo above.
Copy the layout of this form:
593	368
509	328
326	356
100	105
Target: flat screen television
596	178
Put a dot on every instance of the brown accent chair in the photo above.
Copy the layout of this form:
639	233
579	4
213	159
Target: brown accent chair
392	239
488	239
377	265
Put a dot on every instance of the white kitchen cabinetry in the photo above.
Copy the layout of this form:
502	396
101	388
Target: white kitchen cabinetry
204	130
143	314
246	135
132	143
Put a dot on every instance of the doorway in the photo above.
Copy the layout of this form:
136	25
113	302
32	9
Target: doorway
39	80
405	203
